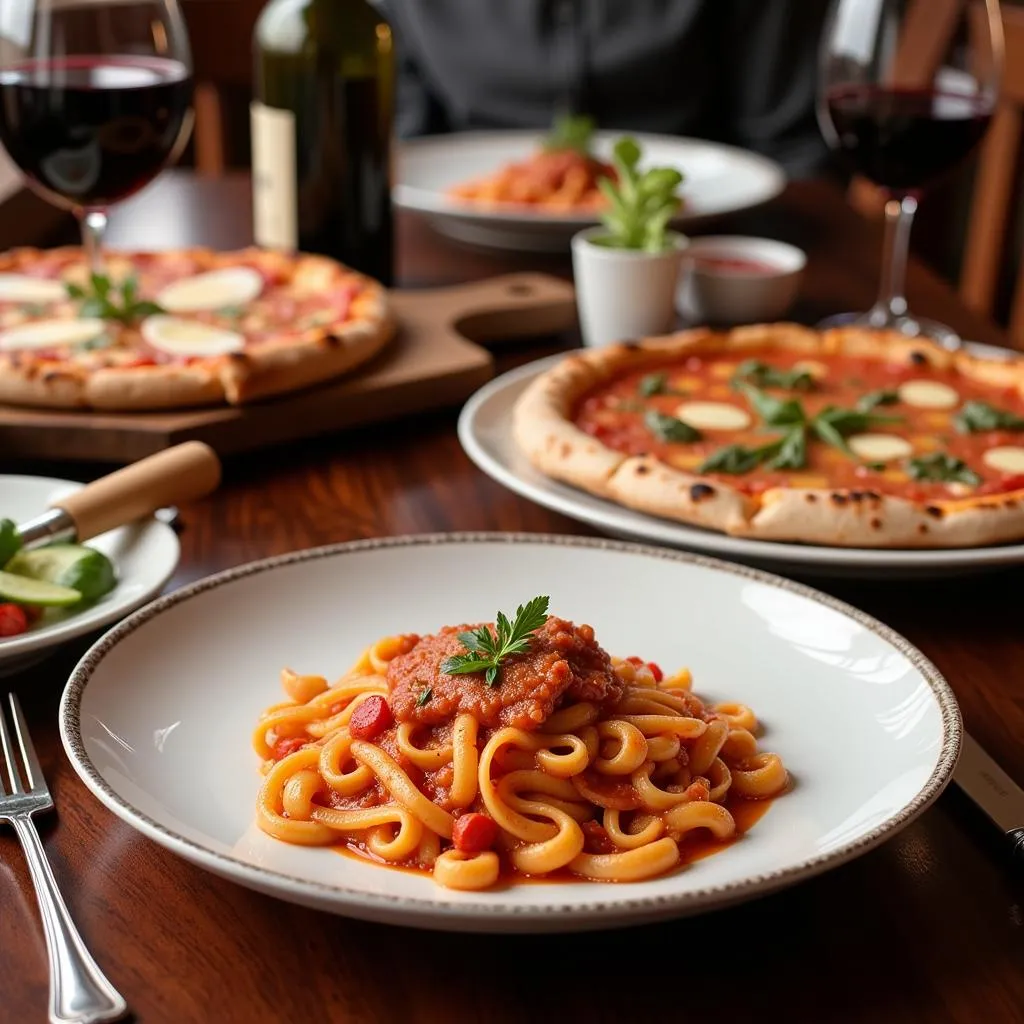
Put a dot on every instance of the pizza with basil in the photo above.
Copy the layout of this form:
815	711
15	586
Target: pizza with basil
180	328
847	437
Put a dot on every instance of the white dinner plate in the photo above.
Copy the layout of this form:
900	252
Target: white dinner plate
145	555
486	436
718	179
867	727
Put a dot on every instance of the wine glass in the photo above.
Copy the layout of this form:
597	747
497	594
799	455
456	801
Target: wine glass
95	98
907	90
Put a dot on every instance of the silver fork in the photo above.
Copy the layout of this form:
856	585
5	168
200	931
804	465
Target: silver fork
79	993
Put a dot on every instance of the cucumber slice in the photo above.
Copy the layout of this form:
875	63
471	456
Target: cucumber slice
23	590
84	569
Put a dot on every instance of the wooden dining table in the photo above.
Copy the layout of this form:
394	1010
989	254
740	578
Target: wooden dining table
927	928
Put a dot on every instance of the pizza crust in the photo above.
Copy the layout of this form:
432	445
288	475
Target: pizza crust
543	429
265	368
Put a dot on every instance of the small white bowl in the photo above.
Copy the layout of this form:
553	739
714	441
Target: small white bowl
622	294
724	295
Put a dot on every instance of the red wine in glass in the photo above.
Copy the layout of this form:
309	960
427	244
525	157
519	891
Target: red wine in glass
902	139
90	131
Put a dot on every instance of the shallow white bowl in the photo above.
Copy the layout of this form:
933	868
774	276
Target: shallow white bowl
145	555
718	179
710	295
867	727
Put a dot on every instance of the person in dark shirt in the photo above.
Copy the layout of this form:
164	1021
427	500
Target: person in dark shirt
736	71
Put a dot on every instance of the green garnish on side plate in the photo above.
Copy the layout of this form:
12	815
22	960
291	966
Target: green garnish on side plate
108	301
485	651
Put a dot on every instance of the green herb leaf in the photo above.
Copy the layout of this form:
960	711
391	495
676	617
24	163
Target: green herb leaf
793	451
976	416
143	309
102	302
736	458
764	376
100	341
668	428
640	206
9	541
94	307
486	655
100	285
776	412
237	312
425	697
75	291
942	467
34	309
873	399
571	131
652	384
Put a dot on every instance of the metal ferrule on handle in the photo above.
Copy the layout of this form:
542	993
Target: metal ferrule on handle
49	528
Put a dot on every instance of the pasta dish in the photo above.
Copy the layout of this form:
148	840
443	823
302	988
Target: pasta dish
508	749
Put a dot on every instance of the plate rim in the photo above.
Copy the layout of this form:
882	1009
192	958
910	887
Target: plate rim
72	628
445	207
340	898
783	553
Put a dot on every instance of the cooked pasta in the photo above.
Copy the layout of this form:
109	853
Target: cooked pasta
570	761
556	180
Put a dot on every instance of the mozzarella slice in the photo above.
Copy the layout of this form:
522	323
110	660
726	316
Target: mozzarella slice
713	415
179	337
1005	459
22	288
880	447
928	394
50	334
233	286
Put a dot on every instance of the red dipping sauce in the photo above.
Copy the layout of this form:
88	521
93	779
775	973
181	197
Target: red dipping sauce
735	265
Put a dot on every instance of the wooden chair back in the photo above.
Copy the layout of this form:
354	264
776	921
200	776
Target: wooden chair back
220	32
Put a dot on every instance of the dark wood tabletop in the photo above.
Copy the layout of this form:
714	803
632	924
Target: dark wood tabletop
929	927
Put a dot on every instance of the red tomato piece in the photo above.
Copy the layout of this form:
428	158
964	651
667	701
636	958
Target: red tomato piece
656	671
634	660
371	718
287	745
474	832
13	620
596	839
1013	483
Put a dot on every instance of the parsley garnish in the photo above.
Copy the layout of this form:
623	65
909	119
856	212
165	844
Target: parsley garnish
976	416
764	376
102	299
786	452
668	428
571	131
873	399
425	697
485	651
942	467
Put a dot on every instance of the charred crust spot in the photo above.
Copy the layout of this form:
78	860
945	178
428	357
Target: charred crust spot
1010	503
810	498
934	511
922	527
566	450
641	470
630	346
872	496
838	499
876	523
331	340
239	359
856	496
700	492
918	359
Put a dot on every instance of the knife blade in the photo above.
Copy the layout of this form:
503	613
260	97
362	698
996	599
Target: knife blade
991	790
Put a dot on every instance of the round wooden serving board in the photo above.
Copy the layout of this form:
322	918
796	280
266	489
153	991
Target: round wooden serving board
432	363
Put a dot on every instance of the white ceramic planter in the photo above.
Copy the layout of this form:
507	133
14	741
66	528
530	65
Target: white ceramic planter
623	293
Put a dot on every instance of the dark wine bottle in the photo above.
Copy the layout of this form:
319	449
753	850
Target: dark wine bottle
321	131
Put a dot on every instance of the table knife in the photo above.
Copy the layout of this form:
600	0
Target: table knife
992	790
182	473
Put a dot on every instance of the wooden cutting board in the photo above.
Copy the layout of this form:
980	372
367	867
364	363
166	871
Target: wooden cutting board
432	363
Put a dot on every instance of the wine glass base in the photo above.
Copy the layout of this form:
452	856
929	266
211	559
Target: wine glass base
911	326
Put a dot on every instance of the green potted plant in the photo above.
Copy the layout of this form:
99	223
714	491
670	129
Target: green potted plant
627	268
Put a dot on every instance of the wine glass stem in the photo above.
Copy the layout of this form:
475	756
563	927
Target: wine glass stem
94	224
891	304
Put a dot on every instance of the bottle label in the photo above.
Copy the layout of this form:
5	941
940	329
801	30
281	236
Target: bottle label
274	189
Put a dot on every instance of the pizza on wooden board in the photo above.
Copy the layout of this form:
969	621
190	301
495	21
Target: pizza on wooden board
180	328
847	437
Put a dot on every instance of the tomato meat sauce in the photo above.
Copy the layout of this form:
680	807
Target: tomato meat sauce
563	663
614	413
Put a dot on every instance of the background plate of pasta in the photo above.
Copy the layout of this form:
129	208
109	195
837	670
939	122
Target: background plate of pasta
509	733
481	187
